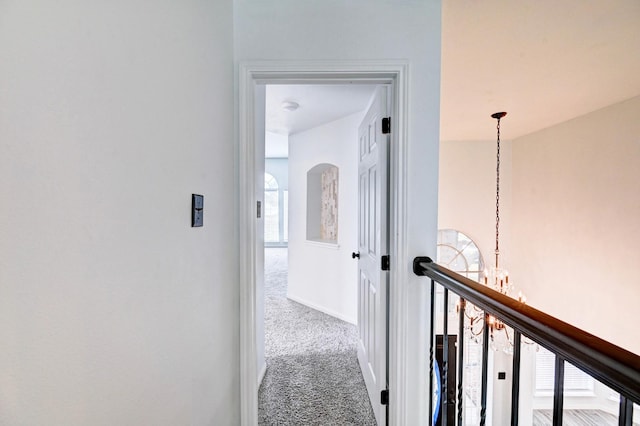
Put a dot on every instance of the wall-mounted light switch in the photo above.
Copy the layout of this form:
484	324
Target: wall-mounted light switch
197	206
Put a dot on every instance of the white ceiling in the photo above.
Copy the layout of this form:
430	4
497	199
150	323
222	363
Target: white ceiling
543	61
319	104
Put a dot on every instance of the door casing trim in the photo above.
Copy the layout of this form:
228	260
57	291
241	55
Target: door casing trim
395	73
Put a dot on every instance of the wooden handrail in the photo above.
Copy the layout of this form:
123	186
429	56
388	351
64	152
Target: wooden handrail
610	364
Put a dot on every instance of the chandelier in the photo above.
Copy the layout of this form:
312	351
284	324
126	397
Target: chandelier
496	278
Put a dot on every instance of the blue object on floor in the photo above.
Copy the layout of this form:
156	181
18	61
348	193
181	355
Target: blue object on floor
438	392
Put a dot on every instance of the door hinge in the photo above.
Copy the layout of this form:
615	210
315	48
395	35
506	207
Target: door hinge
259	209
385	262
386	125
384	397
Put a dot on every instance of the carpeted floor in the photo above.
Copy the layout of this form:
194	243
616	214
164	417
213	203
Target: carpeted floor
313	376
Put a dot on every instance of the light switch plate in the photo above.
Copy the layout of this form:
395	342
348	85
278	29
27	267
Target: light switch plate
197	210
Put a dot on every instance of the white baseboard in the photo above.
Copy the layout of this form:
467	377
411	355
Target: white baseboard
261	374
322	309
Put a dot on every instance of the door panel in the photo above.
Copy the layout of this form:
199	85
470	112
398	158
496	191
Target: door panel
372	216
373	242
362	221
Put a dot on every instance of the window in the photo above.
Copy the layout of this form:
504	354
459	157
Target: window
576	382
271	210
285	215
276	204
459	253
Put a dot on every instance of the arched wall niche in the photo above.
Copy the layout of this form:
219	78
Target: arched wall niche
322	203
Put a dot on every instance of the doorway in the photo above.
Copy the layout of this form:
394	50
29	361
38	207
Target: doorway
311	178
251	145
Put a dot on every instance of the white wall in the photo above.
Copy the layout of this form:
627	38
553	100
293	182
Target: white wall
324	276
364	30
576	205
276	145
113	310
467	195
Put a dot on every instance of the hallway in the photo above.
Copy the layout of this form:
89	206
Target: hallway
313	377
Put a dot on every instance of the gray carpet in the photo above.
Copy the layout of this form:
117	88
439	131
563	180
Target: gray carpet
313	377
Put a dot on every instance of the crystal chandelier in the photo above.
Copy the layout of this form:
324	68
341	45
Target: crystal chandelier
496	278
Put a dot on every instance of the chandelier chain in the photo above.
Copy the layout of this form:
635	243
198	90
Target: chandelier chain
498	195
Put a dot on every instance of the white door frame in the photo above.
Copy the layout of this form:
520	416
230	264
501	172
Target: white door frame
394	73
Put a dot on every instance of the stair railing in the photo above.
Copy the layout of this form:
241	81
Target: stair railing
613	366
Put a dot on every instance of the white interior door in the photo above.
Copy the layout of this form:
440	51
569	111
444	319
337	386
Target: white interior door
372	245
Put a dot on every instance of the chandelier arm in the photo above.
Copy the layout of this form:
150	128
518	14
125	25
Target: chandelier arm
506	332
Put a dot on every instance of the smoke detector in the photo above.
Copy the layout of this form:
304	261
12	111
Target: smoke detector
290	106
